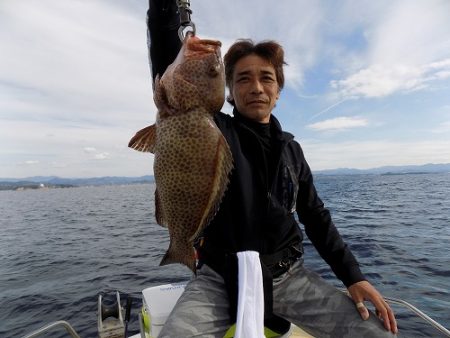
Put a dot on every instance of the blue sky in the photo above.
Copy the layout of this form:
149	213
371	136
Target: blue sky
368	82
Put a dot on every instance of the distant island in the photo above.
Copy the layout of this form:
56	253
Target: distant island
390	170
51	182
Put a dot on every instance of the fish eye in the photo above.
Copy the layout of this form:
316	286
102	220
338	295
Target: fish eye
213	71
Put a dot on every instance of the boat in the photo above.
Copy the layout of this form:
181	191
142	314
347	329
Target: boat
157	303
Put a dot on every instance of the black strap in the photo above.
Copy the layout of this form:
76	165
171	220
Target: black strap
271	321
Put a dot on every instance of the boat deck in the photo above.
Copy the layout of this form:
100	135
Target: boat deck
299	333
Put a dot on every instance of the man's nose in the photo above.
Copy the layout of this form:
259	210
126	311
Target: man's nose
257	87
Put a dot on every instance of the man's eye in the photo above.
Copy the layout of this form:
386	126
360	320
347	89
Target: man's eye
243	79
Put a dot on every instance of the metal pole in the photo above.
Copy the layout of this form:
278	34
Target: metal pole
48	327
422	315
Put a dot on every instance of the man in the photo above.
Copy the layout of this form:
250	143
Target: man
270	180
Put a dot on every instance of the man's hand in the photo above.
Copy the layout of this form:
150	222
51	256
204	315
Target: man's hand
362	291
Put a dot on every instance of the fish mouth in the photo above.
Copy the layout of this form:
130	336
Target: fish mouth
200	47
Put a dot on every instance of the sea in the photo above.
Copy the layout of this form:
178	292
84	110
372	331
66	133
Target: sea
61	248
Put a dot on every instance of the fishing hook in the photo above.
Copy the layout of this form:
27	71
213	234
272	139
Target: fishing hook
186	25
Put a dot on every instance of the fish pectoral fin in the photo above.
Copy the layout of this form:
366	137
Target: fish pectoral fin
185	94
159	214
161	99
144	140
159	94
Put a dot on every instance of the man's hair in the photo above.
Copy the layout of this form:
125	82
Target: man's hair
268	50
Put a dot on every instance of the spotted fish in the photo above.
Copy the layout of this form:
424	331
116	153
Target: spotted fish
192	158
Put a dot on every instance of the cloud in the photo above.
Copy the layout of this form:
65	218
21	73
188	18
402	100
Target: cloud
102	156
443	128
74	76
96	155
339	123
323	111
31	162
299	33
89	150
384	80
83	61
410	32
406	49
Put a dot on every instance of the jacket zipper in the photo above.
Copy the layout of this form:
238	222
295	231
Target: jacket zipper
275	174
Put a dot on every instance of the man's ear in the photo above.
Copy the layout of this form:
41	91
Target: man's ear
230	97
230	93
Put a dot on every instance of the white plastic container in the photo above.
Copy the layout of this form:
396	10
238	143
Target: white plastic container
159	302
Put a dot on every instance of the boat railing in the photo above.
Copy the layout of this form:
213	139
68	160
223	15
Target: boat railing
391	300
419	313
51	326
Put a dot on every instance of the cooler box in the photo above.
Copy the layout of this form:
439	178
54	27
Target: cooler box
158	302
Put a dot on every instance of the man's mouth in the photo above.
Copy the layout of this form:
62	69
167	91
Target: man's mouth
257	102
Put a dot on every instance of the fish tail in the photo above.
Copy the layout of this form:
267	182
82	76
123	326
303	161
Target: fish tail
174	256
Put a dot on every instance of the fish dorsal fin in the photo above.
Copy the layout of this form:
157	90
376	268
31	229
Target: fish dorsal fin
224	165
144	140
159	95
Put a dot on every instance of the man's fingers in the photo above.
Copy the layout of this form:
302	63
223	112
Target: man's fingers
385	318
363	290
378	314
392	320
386	314
362	310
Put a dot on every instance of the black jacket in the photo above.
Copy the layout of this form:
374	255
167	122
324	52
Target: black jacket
257	211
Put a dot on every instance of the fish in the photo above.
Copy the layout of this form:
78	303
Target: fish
192	159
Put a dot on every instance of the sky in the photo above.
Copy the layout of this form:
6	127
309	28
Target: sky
367	82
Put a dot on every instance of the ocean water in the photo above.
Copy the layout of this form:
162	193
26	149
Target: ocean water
60	248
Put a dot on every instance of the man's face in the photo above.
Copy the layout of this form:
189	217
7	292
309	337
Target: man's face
254	88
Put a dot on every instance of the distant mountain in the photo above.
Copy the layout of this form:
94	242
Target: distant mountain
37	182
26	185
387	170
107	180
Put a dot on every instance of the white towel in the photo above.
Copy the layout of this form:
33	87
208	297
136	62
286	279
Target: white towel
250	311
